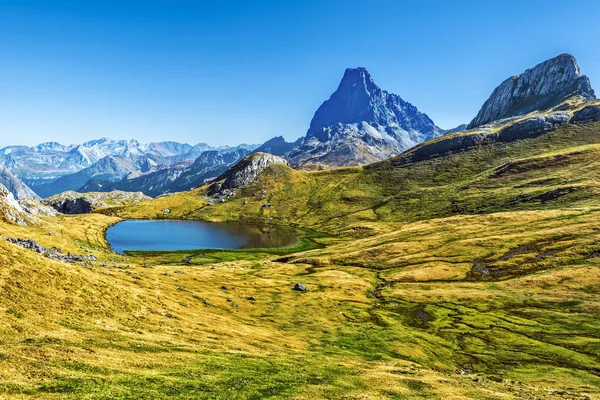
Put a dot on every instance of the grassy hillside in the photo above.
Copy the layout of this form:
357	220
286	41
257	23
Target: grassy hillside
469	276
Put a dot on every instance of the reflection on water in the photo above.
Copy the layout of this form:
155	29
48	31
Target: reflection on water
188	235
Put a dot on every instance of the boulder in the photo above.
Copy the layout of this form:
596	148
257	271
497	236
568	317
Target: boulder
300	287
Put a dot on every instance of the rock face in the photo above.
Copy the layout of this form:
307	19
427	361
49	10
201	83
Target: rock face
361	123
525	129
10	209
244	172
539	88
81	203
589	113
15	185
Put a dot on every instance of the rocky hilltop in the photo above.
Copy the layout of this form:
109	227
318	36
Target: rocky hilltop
541	87
244	172
361	123
557	96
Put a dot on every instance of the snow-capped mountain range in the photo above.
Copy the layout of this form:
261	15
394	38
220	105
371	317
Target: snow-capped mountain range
41	166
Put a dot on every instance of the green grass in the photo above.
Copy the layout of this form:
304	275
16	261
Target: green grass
469	276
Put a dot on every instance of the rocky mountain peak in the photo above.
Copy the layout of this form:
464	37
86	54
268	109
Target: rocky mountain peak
359	81
539	88
361	123
355	100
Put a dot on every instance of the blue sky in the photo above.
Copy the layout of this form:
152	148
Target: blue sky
226	72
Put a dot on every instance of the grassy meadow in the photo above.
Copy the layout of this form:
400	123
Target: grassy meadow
469	276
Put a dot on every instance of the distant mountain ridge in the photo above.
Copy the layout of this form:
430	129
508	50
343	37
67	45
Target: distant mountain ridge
174	178
50	168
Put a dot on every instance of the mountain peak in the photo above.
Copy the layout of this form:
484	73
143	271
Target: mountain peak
539	88
360	75
361	123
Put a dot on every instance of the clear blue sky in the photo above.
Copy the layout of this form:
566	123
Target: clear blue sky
226	72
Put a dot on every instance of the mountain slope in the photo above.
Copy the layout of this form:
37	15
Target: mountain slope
15	185
359	124
244	172
488	251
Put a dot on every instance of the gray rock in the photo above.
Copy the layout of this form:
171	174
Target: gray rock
589	113
53	253
539	88
35	207
11	210
300	287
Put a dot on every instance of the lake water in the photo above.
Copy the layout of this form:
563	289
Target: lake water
167	235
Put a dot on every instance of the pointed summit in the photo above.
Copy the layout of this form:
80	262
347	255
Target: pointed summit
359	124
358	78
351	102
539	88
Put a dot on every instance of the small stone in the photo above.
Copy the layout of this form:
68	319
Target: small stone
300	287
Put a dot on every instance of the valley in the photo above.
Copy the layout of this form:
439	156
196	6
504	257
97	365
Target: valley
465	267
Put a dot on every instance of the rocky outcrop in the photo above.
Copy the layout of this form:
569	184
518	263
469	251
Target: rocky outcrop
10	209
36	207
361	123
244	172
539	88
81	203
53	253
